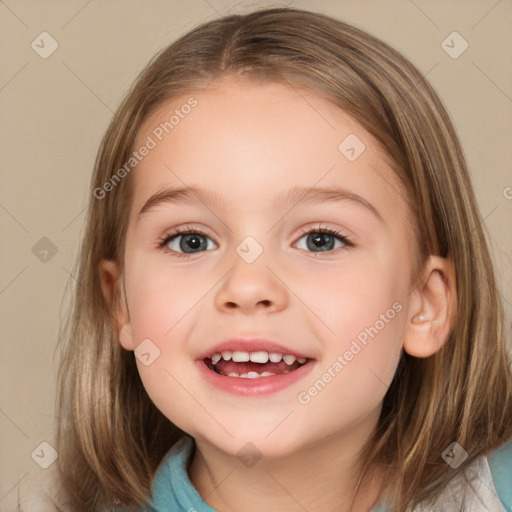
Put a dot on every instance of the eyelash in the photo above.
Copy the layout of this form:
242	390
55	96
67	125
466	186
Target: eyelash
167	237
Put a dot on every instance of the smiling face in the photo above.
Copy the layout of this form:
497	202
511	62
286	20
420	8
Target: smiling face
259	266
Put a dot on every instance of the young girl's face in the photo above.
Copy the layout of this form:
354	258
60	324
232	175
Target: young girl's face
261	268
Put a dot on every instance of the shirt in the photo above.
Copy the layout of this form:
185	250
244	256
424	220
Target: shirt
490	489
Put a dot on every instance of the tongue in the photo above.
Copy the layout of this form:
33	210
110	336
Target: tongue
228	367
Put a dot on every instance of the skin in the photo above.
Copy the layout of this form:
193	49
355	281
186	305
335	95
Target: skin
248	142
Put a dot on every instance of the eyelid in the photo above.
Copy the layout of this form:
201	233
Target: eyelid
318	227
184	231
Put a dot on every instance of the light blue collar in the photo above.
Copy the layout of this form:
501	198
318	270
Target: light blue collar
173	491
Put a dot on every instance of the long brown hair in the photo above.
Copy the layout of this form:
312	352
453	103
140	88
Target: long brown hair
111	437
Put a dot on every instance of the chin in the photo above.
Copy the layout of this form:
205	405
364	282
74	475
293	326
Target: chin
254	442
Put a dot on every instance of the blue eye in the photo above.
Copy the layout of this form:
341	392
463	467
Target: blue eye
193	240
324	239
189	239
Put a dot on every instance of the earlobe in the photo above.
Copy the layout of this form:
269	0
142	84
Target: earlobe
111	287
432	308
125	337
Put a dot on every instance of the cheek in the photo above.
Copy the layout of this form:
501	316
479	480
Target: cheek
369	289
161	296
359	364
161	304
364	308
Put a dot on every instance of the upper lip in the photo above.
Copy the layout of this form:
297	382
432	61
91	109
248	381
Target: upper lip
252	345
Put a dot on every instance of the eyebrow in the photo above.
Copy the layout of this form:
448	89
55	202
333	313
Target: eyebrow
295	195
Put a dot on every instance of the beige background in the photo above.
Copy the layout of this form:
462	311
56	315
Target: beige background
54	112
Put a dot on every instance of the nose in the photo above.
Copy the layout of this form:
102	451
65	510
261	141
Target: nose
249	287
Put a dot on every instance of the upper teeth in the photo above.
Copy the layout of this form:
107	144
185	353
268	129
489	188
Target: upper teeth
261	356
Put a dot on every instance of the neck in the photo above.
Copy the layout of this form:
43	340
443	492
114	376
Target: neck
318	477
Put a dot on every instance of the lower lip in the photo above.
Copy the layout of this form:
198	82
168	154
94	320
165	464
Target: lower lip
257	386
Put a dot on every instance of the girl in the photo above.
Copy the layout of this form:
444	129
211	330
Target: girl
285	299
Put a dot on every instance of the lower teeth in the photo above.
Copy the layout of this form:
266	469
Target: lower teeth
251	375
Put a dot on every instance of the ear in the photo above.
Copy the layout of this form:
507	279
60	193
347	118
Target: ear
432	308
113	290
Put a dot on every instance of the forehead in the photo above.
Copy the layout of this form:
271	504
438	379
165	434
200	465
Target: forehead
248	140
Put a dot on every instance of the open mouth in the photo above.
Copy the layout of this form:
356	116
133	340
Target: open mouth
253	365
